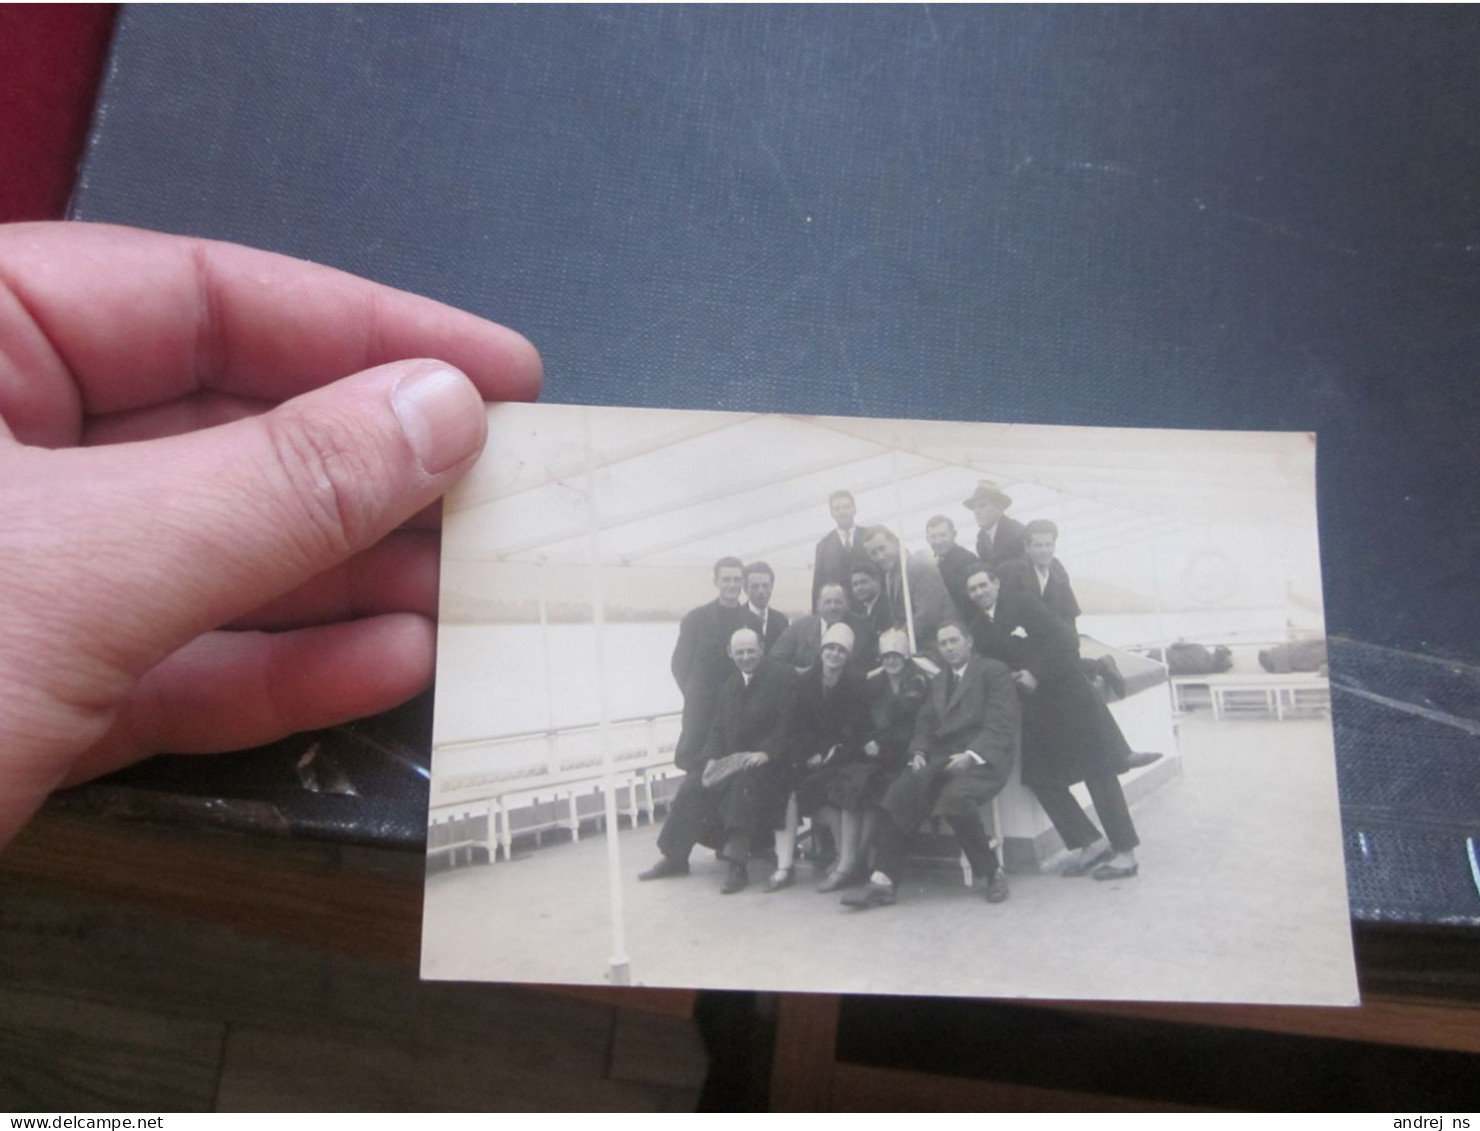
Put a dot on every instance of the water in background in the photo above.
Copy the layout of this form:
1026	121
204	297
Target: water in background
508	679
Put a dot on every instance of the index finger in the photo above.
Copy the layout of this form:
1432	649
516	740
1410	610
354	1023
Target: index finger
99	319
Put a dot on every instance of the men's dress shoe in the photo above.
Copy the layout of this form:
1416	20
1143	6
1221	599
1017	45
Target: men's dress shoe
1115	871
996	887
837	880
780	878
737	879
1084	868
665	867
1136	760
871	895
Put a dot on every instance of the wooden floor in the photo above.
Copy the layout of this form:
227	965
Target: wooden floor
148	967
105	1006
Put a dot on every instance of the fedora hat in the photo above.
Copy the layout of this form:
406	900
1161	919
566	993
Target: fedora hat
987	492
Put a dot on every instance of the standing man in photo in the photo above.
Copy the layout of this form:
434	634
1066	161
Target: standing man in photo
867	587
1040	574
930	606
955	562
760	580
701	661
998	538
1069	735
841	548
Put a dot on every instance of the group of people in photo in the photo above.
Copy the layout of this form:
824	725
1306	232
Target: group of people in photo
912	688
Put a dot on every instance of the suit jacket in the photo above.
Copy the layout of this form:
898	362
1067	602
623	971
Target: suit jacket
1010	541
1058	596
801	643
930	603
753	717
776	622
878	619
835	564
956	565
1068	731
701	663
980	715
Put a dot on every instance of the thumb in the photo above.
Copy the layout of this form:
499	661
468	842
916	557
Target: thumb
147	545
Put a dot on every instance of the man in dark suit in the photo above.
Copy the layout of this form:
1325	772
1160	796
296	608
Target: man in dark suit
841	548
1069	735
955	562
867	587
760	579
801	644
929	606
1040	574
739	787
701	661
998	538
961	755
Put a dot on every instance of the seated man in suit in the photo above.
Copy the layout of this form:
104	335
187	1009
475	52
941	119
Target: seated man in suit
929	605
760	580
961	755
998	538
801	644
955	562
740	786
840	549
1069	734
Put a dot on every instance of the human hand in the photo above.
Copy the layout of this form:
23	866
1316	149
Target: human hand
178	455
871	748
958	762
917	761
1025	679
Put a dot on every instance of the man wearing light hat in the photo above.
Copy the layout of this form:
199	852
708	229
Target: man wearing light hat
999	538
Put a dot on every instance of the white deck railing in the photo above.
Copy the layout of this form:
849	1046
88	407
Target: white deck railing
540	780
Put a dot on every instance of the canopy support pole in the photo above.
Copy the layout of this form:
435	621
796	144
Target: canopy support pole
619	970
904	567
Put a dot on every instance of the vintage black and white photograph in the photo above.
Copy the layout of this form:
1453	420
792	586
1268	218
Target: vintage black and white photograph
860	705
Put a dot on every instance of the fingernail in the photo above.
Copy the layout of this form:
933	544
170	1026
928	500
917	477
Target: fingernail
442	415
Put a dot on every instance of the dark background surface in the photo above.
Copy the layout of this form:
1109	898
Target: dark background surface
1170	217
1156	217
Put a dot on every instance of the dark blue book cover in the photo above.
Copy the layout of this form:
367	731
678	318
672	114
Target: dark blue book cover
1244	218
